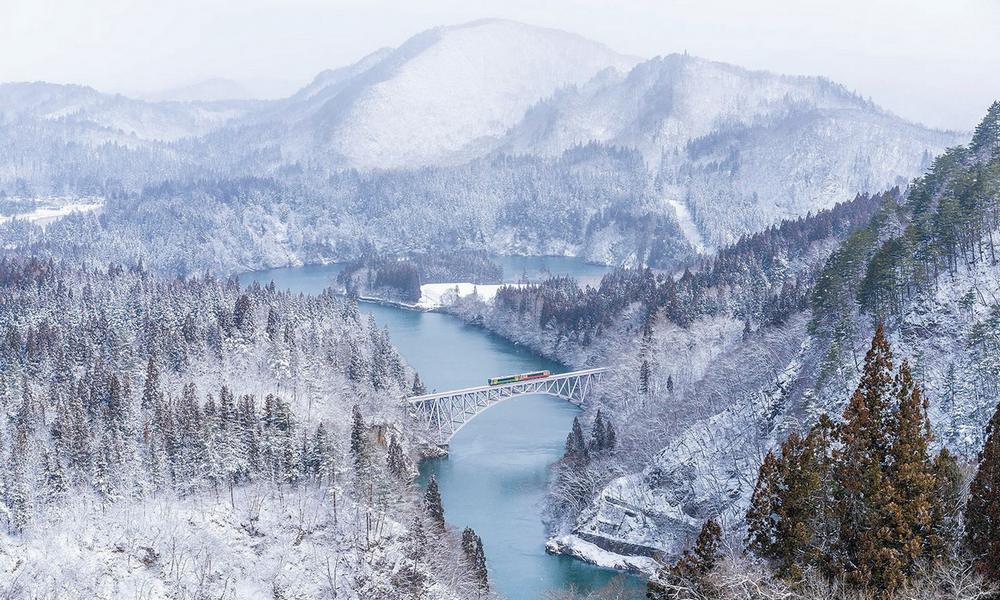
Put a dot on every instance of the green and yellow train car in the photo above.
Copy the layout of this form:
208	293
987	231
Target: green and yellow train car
516	378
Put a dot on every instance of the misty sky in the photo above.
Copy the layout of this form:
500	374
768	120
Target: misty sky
934	61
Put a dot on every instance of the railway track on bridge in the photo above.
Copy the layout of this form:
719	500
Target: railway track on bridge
446	413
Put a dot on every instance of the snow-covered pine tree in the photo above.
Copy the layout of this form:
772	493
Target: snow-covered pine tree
433	504
475	556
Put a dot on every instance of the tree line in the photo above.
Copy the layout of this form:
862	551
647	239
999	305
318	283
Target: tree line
862	505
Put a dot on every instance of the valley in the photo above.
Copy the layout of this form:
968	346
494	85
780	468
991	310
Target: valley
213	308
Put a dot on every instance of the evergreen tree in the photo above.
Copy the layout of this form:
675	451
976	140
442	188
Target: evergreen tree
576	443
395	459
418	386
644	376
357	370
788	521
359	441
911	471
151	394
15	488
598	433
321	456
472	547
55	483
271	329
689	576
982	511
945	518
868	516
432	500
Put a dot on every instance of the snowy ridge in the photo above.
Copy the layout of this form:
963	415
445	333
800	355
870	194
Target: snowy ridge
493	70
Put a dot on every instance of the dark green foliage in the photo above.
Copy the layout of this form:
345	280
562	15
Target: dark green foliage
986	138
359	441
946	523
644	375
395	459
576	444
602	434
769	293
418	388
946	220
982	512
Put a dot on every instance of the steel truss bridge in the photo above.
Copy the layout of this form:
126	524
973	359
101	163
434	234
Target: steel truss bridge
445	413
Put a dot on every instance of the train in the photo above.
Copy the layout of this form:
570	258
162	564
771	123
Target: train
516	378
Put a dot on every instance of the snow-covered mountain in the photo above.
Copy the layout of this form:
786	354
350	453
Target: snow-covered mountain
740	149
925	266
434	97
727	151
110	117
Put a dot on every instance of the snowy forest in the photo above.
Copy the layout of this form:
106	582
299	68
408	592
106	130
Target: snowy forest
796	306
182	426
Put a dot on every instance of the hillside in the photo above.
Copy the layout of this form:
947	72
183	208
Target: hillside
739	149
185	437
453	85
925	265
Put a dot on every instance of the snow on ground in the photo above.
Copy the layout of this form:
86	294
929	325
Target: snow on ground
43	215
586	551
437	295
292	542
687	224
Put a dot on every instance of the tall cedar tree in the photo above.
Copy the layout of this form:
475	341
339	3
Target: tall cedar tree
863	499
789	519
395	459
868	516
688	577
982	511
912	471
358	441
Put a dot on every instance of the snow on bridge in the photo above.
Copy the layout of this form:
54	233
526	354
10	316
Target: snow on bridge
447	412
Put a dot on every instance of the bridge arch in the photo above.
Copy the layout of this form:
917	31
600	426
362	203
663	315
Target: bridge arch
446	413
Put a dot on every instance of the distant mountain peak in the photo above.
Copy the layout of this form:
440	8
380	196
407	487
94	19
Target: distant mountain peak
433	98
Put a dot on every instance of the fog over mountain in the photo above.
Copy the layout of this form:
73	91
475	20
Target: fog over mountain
729	151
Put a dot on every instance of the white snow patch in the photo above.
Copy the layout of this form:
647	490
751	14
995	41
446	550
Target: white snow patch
579	548
437	295
687	224
43	215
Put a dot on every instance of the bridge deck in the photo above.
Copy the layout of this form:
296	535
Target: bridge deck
482	388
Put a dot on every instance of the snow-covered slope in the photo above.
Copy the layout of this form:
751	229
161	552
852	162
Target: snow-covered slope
742	149
433	98
665	102
112	117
